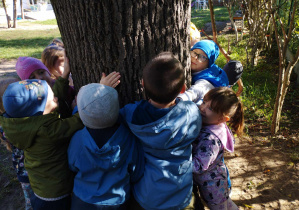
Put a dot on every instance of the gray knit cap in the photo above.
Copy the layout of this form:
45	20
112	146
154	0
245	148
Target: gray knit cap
98	105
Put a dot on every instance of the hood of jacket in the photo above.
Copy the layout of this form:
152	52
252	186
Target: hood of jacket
171	130
224	134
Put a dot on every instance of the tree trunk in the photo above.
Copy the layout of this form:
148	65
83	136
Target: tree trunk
14	13
7	16
122	35
229	5
213	21
284	73
22	10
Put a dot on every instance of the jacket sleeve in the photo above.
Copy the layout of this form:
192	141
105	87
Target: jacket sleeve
197	91
61	130
60	88
205	152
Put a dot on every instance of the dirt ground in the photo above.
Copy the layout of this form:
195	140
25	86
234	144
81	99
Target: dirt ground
263	174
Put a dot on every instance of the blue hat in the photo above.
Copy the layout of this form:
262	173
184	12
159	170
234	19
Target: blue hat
210	48
25	98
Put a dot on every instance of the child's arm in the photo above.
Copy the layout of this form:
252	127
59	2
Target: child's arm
67	71
61	130
197	91
205	152
61	86
111	80
240	87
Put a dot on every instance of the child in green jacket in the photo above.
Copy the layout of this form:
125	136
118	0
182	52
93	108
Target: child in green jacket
31	124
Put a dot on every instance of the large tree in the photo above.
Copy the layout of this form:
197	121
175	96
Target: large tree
122	35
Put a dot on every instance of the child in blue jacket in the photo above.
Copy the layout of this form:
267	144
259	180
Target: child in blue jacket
166	127
104	155
206	75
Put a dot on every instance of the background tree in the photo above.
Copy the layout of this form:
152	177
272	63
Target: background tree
14	13
7	16
122	35
284	33
258	21
231	6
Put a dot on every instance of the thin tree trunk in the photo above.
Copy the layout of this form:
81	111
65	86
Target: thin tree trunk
14	13
22	10
284	73
122	35
7	16
213	20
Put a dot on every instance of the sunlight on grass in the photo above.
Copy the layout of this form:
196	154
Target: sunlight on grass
16	43
44	22
201	17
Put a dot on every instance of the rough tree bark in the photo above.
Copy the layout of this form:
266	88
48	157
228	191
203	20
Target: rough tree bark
284	70
122	35
7	16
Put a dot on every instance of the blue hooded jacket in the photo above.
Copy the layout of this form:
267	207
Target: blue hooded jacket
104	174
167	181
214	74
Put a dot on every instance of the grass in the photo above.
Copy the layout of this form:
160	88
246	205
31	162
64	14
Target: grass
201	17
44	22
16	43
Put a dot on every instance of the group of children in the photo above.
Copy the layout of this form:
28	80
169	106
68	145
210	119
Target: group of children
144	156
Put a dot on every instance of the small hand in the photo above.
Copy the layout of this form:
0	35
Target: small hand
111	80
67	70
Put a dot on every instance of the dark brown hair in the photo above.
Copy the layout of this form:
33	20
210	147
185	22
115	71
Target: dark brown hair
163	78
224	101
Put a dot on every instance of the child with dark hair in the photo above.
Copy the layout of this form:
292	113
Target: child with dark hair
105	155
220	105
166	127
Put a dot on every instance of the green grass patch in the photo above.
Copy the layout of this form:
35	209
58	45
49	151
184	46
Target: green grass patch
201	17
16	43
43	22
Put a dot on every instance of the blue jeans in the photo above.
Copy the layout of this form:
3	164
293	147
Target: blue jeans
39	204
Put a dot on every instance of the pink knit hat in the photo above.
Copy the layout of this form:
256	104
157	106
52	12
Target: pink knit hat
26	65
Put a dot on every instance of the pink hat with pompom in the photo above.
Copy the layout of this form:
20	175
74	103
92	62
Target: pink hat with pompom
26	65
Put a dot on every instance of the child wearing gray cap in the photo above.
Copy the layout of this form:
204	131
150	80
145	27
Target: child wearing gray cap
104	155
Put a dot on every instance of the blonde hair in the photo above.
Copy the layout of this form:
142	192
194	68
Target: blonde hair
50	55
4	82
224	101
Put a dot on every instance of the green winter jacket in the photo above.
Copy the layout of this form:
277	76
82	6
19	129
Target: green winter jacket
45	141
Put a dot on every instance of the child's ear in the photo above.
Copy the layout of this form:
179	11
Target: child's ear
226	118
142	82
183	88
